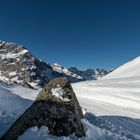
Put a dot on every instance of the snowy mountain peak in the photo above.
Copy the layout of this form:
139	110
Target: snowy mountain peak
74	77
11	50
18	65
9	43
90	74
56	64
129	69
1	42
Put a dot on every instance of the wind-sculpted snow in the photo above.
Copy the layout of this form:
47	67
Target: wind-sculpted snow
120	97
116	102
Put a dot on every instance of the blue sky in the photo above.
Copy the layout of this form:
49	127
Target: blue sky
81	33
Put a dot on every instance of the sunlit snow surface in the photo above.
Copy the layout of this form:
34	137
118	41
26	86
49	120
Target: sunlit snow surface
116	103
110	97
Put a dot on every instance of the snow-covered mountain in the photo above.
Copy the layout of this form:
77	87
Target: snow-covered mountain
89	74
130	69
18	65
74	77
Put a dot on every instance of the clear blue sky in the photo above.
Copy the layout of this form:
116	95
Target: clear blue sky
82	33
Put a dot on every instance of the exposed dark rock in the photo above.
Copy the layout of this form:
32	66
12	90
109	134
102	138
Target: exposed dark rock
56	107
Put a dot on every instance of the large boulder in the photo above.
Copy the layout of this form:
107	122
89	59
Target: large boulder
56	107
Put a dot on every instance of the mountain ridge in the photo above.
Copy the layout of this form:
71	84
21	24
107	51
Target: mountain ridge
19	66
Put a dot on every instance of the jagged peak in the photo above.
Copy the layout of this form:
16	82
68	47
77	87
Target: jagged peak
7	43
18	65
56	64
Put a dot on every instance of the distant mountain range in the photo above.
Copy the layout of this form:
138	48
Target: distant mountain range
19	66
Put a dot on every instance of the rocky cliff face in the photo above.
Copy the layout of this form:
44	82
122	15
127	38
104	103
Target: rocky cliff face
19	66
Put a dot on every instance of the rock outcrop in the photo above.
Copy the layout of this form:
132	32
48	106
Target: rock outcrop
56	107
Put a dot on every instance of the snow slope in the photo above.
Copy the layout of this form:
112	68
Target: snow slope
13	102
119	97
130	69
116	103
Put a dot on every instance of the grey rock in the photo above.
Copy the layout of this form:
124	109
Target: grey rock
61	114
